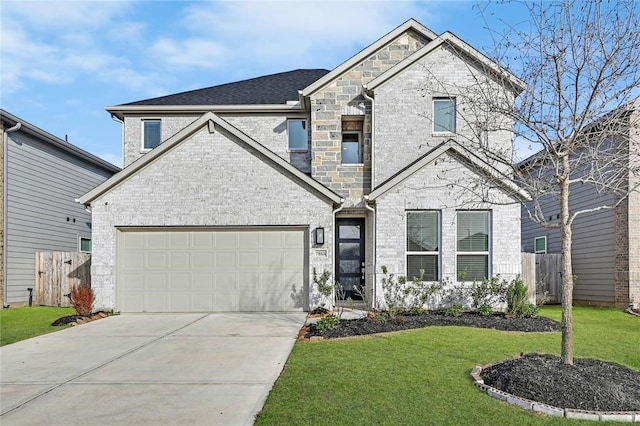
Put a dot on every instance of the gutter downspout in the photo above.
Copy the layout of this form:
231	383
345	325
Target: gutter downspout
373	127
5	192
374	302
333	226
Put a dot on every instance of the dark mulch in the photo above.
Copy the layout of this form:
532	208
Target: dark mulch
587	385
73	318
363	326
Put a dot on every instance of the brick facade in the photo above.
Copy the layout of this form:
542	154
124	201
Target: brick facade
207	180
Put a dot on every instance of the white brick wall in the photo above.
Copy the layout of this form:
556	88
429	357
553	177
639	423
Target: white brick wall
205	181
446	186
403	108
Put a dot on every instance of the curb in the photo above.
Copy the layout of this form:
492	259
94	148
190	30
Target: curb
570	413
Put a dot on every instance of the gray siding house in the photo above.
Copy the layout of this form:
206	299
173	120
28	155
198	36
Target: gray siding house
232	195
42	177
606	243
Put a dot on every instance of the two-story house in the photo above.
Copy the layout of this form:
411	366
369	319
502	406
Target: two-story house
232	195
42	175
605	251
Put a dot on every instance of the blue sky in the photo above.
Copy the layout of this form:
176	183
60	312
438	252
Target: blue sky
62	62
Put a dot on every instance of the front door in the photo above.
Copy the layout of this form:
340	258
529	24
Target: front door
350	257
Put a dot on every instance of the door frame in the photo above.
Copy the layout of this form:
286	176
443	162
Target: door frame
361	223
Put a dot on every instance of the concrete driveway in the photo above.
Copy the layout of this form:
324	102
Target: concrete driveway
148	369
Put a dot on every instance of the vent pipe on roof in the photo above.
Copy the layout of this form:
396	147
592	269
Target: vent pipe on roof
5	146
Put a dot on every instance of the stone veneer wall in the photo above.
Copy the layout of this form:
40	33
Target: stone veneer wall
343	97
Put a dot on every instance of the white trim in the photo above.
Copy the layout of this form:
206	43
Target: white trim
435	132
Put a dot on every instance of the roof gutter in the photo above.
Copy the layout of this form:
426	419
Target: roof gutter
120	110
5	205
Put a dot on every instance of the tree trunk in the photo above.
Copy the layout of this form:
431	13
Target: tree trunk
567	270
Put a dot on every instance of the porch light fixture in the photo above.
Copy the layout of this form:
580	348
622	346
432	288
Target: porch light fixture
319	236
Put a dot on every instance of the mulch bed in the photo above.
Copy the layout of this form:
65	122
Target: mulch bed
81	319
363	326
587	385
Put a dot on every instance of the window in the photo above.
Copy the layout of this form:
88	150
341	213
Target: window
150	134
85	245
444	115
540	245
423	245
351	152
298	137
473	239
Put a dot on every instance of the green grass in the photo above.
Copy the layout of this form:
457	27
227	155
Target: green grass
421	377
25	322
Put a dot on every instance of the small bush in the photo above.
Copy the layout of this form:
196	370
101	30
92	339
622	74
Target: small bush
484	310
327	322
82	299
517	304
454	310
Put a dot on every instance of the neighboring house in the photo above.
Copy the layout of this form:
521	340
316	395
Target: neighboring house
232	195
42	177
606	243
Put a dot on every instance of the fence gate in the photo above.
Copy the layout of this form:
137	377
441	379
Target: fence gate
543	272
57	272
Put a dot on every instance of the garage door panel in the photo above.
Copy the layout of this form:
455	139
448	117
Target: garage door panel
211	270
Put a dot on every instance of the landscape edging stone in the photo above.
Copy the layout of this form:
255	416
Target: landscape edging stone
570	413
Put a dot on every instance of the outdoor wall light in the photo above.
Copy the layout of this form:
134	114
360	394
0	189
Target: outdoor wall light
319	236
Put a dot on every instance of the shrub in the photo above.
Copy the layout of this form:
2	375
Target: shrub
327	322
82	299
487	294
517	304
325	288
454	310
484	310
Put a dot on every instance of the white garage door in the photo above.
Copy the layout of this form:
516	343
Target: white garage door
203	270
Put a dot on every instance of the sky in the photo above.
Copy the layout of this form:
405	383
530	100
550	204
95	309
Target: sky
63	62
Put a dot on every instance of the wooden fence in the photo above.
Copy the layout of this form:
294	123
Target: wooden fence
542	273
57	272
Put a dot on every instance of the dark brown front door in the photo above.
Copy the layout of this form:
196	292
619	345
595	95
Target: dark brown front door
350	257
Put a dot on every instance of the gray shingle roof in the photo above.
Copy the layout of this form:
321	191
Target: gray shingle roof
266	90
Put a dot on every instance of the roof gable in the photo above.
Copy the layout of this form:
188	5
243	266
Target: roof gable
459	46
212	122
361	56
465	157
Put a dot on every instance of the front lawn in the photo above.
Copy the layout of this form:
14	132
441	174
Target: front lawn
422	376
25	322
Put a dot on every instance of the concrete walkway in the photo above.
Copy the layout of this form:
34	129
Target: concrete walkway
148	369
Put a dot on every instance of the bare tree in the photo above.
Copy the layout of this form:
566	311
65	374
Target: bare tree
578	108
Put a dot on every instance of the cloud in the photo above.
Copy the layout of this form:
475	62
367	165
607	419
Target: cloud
190	52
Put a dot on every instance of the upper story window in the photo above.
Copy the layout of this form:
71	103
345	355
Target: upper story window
423	245
351	148
473	242
298	135
444	115
150	134
540	244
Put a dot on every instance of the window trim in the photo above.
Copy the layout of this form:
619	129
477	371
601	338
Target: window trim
306	126
80	244
433	115
487	253
360	147
535	245
437	254
142	133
